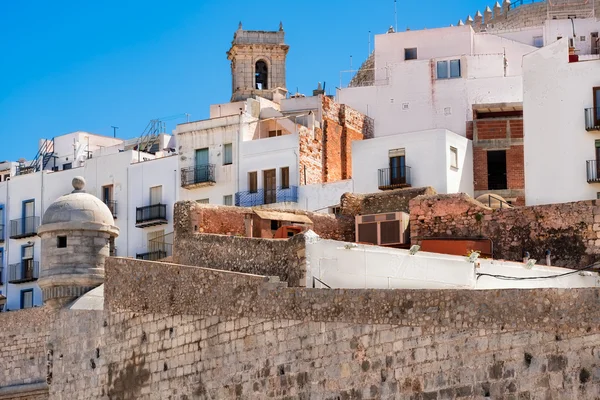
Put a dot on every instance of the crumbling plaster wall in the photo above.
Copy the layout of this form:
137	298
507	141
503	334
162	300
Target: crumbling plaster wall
571	231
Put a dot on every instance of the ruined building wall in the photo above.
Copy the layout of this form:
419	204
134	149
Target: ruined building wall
353	204
571	231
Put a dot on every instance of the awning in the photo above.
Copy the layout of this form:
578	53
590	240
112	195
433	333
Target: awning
283	216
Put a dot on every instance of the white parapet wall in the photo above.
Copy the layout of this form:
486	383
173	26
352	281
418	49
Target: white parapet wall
353	266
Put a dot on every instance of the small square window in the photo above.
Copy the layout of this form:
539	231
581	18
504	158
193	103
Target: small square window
538	41
67	166
227	154
410	54
442	69
454	68
453	157
598	195
202	201
228	200
274	225
61	242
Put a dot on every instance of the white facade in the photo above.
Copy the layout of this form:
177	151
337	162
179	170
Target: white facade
408	96
355	266
107	168
438	158
557	145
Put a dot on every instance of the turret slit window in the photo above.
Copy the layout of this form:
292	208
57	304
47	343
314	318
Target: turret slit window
261	75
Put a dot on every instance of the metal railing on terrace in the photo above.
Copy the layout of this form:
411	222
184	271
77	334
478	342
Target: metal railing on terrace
112	206
155	214
151	255
592	119
24	271
267	196
199	174
394	178
24	227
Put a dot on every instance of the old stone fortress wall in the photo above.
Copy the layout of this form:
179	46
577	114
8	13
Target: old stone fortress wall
242	324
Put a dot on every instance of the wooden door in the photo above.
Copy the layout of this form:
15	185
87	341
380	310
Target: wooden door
270	185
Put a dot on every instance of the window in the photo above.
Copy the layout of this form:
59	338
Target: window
538	41
228	200
275	133
335	210
156	241
285	177
448	69
61	242
253	182
453	157
202	201
7	177
107	193
112	250
227	154
274	225
496	163
410	54
261	75
27	298
27	262
598	195
155	195
67	166
596	95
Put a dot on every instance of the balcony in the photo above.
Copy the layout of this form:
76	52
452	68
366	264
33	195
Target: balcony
151	215
112	206
198	176
152	255
1	233
593	171
267	196
592	119
394	178
24	227
24	271
2	276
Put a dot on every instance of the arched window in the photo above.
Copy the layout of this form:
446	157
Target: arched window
261	75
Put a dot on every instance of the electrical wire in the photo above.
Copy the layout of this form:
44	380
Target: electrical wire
525	278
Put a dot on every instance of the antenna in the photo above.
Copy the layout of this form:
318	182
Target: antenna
351	63
187	116
369	53
114	128
395	17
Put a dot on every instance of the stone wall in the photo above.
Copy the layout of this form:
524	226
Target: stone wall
271	257
384	202
571	231
191	217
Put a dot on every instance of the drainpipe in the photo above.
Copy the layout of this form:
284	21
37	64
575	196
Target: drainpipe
548	258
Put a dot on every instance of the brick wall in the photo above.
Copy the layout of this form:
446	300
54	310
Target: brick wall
569	230
310	158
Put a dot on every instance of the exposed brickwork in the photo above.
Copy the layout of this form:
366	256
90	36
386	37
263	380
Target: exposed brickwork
470	130
480	172
310	158
332	170
515	171
571	231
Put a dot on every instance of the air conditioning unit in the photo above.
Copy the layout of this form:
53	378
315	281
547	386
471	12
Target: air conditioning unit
387	229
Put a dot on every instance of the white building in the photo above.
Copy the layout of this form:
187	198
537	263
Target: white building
562	122
138	187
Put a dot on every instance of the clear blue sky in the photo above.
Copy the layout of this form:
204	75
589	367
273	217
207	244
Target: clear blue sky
68	65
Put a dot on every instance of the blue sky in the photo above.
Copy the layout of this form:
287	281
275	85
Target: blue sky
68	65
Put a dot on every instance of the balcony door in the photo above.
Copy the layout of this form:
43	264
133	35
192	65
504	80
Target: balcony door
201	165
496	164
597	106
398	170
27	262
28	224
155	195
270	184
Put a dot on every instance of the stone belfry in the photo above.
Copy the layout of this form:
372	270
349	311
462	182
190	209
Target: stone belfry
258	64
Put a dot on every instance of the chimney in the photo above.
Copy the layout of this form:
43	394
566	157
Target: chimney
497	10
506	6
478	19
469	21
487	15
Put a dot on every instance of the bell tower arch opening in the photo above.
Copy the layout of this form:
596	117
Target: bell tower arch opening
261	73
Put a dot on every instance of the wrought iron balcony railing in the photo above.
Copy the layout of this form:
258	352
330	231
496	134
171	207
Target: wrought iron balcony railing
592	119
2	234
593	171
24	227
394	178
152	255
24	271
112	206
267	196
200	175
151	215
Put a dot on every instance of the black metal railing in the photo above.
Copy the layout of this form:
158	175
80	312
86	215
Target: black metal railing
112	206
392	178
24	227
198	174
592	119
2	233
267	196
147	214
593	171
152	255
24	271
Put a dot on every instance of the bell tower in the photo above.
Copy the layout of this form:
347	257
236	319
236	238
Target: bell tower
258	64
